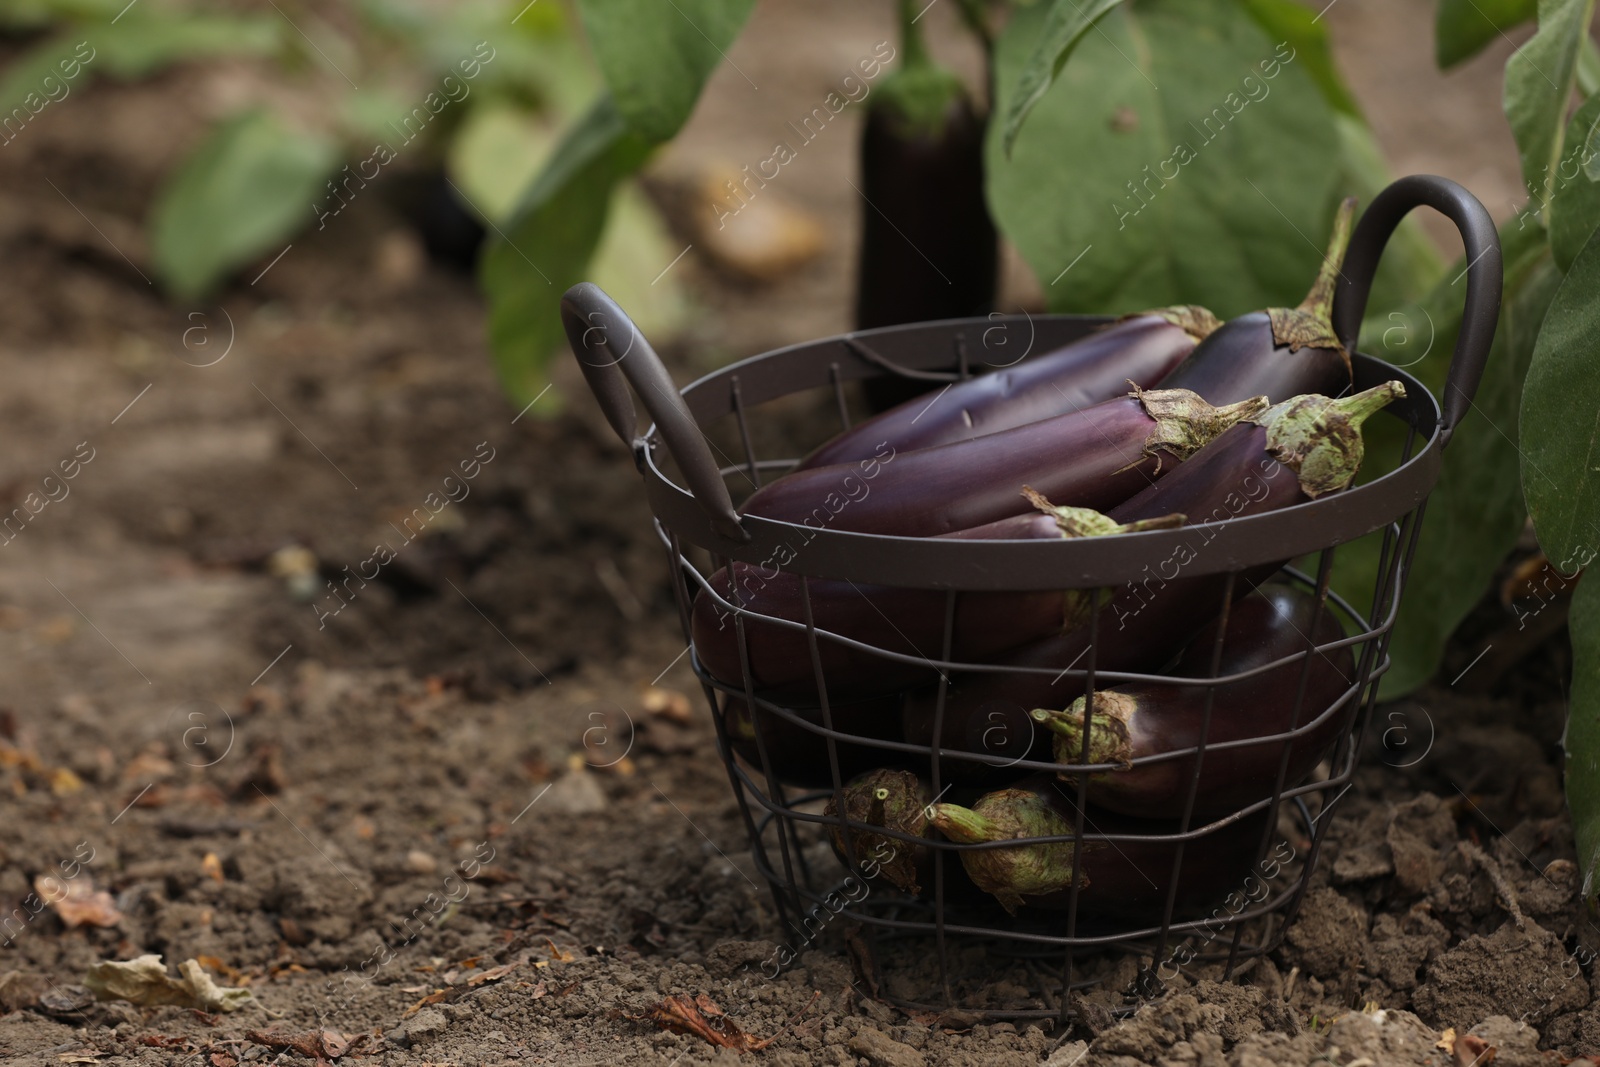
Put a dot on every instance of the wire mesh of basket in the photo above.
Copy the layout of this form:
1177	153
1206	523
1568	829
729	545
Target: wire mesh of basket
1205	881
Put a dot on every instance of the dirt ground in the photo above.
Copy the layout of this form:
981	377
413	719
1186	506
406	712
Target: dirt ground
408	826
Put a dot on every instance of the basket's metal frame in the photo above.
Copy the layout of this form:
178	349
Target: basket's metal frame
615	356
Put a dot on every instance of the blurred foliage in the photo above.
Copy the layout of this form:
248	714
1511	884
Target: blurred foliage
504	76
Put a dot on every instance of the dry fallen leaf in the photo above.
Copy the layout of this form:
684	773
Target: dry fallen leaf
667	704
77	901
312	1044
704	1019
493	974
145	982
559	955
1472	1051
64	783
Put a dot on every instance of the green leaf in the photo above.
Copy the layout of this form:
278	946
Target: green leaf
1475	513
1582	740
1561	416
547	245
1216	188
1540	77
1462	28
656	56
47	74
250	185
1300	26
1575	201
1064	25
1411	264
145	42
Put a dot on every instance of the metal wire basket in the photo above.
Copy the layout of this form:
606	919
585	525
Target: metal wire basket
788	828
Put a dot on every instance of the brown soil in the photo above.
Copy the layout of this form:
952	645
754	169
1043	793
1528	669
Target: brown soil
295	798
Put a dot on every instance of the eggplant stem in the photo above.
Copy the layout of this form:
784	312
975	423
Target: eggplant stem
1369	402
1319	301
962	824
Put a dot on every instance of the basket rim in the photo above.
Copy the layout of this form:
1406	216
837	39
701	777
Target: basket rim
938	563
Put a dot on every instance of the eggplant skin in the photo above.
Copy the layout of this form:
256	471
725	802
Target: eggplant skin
1139	720
798	756
1095	457
1242	359
929	249
905	621
1093	369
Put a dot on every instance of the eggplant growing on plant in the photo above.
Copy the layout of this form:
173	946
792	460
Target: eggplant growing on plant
1300	449
908	622
1139	348
1143	719
1121	878
1282	352
1092	458
928	246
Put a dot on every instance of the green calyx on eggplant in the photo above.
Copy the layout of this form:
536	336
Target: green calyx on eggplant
1281	352
1095	457
1320	439
890	799
1140	348
1147	719
1128	876
1011	875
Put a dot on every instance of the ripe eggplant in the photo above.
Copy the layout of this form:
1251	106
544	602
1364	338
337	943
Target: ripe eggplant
1281	352
928	245
1144	719
1139	348
890	618
1127	879
1298	450
799	756
898	801
1093	458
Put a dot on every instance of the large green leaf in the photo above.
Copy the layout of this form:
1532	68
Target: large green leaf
1561	417
1575	202
1064	26
1475	513
657	54
1463	27
1582	739
1286	20
1215	188
249	186
547	245
1540	77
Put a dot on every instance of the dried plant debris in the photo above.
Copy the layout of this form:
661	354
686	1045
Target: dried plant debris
144	981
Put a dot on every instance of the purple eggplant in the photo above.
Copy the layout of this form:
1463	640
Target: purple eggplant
1140	349
1145	719
1299	450
889	618
1127	879
1093	458
799	756
1281	352
928	245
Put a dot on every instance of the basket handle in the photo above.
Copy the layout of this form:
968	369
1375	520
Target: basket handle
1484	273
592	319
